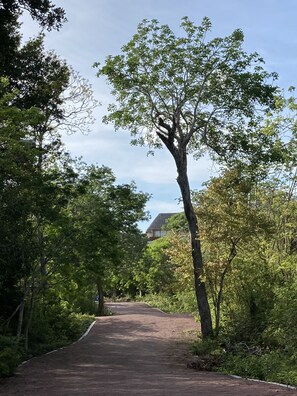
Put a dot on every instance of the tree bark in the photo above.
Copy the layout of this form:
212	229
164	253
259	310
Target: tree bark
179	153
200	287
30	316
100	309
21	309
232	255
20	319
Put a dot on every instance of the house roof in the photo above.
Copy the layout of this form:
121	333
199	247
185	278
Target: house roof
159	221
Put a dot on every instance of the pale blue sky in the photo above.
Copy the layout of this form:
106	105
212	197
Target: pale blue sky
97	28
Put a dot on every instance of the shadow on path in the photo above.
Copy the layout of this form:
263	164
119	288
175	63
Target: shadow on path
137	351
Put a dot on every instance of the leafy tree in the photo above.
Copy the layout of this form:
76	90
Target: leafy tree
44	87
102	218
17	158
179	252
122	280
154	273
44	80
229	220
43	11
192	96
39	96
65	100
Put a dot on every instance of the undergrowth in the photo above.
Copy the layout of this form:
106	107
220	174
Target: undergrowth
45	337
273	363
248	361
178	303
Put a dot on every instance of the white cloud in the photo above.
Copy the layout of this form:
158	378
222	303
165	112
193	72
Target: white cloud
96	29
165	206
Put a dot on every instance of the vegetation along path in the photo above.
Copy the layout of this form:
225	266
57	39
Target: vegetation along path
137	351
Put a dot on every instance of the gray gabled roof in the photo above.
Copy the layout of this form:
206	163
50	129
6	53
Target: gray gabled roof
159	221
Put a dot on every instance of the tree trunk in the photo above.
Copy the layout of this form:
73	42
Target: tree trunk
21	312
179	153
219	300
200	287
21	319
100	309
232	255
30	316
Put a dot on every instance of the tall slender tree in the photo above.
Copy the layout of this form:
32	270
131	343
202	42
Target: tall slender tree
191	96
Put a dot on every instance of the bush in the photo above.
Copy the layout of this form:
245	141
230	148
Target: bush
9	360
78	324
248	361
273	366
181	302
245	366
206	347
44	337
10	355
283	316
53	332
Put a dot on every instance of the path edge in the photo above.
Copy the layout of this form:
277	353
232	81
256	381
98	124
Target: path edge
59	349
263	382
237	376
86	332
158	309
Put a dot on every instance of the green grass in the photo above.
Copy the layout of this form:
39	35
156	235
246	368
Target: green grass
248	361
179	303
273	366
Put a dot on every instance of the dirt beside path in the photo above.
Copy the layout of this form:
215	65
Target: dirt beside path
137	351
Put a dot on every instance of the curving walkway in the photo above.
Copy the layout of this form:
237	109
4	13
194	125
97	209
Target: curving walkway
138	351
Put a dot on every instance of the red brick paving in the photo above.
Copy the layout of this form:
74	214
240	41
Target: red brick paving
137	351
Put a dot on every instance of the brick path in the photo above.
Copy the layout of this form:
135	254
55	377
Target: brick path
138	351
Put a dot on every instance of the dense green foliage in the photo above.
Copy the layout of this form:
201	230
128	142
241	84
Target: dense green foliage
193	96
248	234
179	302
63	225
68	232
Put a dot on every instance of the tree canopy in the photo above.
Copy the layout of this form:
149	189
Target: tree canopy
192	96
63	225
186	91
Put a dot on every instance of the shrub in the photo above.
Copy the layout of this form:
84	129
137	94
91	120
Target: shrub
248	361
274	366
10	355
54	325
9	360
181	302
